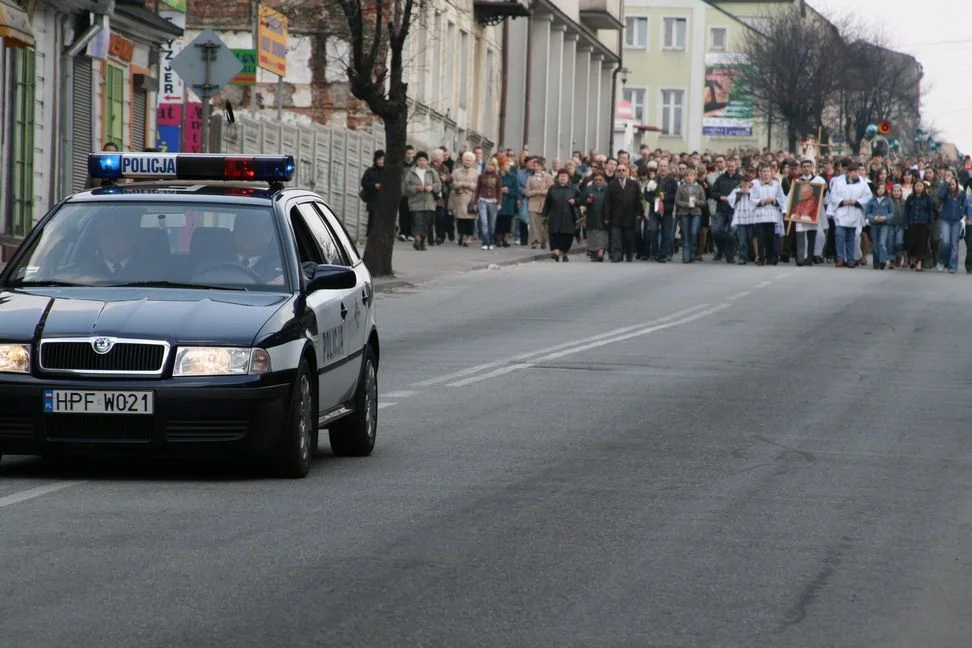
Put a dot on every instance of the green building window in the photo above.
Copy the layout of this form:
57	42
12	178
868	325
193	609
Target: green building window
22	191
114	105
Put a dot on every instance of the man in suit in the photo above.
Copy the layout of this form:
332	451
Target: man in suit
256	247
622	209
114	260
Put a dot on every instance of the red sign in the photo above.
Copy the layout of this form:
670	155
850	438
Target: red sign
192	138
121	48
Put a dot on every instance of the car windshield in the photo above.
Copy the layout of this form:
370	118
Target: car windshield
174	244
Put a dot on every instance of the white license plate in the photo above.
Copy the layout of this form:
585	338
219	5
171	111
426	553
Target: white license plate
64	401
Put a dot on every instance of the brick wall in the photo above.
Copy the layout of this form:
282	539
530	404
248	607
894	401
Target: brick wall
316	20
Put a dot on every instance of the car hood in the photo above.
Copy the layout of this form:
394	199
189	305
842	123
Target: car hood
179	316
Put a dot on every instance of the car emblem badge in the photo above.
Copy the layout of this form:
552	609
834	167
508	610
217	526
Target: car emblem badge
102	345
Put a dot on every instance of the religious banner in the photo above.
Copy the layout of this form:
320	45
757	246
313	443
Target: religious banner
728	107
805	202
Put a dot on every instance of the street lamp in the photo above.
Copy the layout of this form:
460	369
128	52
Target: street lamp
624	76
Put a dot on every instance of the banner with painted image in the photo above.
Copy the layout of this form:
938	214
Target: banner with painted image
728	106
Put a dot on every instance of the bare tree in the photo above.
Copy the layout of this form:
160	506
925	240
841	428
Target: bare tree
878	84
377	32
789	68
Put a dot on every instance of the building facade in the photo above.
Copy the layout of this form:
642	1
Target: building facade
561	66
76	74
452	68
679	56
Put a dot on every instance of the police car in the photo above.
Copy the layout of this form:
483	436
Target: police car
190	304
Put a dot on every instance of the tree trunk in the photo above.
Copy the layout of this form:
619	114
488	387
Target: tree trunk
791	137
381	243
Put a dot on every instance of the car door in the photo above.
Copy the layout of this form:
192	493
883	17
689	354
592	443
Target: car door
328	337
344	370
364	289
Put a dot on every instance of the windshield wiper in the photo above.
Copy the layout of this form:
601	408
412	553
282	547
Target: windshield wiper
174	284
47	283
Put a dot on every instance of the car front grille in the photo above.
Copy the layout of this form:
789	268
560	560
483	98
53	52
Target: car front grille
14	427
100	427
124	357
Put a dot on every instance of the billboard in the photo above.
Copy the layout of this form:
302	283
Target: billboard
728	108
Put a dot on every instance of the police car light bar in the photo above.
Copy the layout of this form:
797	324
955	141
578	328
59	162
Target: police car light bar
187	166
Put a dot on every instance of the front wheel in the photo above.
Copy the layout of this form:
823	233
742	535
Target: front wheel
296	450
354	436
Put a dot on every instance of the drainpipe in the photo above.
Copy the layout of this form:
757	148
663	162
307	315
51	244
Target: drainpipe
526	99
102	15
503	84
614	84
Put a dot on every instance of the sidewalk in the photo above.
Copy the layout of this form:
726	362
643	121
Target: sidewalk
414	267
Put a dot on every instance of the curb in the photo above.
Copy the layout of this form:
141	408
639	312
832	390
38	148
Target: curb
392	284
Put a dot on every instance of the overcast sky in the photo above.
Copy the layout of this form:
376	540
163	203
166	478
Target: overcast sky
932	32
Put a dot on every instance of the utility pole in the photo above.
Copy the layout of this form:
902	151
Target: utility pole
206	90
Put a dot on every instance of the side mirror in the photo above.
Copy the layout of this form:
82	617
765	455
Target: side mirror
332	277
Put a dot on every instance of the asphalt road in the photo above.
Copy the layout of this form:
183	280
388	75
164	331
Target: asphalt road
569	455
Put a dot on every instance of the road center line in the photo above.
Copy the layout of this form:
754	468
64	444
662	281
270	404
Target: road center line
586	347
384	405
504	363
739	295
31	493
762	284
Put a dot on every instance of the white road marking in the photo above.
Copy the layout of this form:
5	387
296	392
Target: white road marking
31	493
739	295
400	394
502	363
384	405
591	345
762	285
782	276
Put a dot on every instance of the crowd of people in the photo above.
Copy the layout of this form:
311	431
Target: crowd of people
742	207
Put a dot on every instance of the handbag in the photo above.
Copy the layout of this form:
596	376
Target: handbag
472	207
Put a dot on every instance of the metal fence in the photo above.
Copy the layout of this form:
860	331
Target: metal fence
330	159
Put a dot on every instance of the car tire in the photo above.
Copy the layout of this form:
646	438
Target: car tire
296	451
354	435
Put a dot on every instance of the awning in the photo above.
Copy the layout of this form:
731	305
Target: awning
15	27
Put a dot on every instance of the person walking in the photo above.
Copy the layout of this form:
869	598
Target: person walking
421	186
560	208
489	186
536	192
370	186
621	211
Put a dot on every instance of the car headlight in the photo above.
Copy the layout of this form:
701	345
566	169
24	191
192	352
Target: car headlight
14	358
220	361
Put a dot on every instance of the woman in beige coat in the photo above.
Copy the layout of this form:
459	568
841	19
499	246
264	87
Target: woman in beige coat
536	192
464	181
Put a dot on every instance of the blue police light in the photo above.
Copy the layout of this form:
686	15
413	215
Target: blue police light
104	165
176	166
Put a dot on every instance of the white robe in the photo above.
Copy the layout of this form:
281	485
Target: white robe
850	215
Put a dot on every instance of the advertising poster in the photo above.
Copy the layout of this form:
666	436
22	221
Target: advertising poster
728	108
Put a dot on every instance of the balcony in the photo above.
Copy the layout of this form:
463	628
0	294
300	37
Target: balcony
601	14
493	12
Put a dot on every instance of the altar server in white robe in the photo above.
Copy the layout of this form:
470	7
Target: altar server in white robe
849	199
770	202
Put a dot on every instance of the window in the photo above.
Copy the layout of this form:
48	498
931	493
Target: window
342	234
718	39
436	58
636	32
114	105
463	68
323	235
22	193
671	119
450	62
674	37
637	97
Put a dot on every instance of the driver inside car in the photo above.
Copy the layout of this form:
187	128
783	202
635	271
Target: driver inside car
114	260
256	248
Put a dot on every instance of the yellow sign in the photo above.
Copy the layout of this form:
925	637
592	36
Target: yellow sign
272	41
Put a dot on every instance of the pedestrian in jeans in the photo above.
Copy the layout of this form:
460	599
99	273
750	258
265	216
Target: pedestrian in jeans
688	201
489	192
421	188
919	212
880	214
954	204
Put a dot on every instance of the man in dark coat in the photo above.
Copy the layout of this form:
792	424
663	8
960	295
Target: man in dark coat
622	209
722	234
371	185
